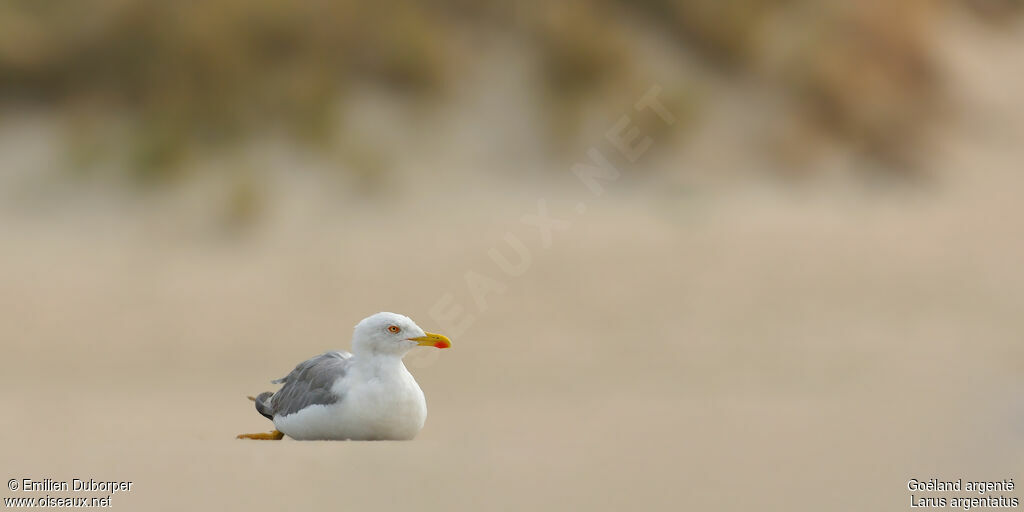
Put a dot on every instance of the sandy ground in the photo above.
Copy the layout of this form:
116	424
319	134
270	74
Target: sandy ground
763	355
742	350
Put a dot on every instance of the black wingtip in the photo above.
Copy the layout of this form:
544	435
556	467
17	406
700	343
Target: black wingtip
262	406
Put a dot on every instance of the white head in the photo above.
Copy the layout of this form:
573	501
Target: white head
394	334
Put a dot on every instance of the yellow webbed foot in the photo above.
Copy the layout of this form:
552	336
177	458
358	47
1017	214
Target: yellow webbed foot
273	435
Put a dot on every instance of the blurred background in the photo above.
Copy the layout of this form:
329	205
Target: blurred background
805	290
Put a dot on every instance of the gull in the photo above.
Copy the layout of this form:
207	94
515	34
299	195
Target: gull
365	395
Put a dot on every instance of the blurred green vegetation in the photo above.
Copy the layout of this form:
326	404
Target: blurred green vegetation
176	77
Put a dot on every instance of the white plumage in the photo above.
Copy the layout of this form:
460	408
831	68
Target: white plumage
380	400
366	395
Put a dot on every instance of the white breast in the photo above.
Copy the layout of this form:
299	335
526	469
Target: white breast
376	404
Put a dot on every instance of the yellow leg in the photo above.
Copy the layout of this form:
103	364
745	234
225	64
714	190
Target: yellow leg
273	435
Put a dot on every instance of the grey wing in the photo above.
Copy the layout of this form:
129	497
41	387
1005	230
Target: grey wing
308	384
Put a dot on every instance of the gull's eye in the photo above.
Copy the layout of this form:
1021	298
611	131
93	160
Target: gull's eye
394	329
